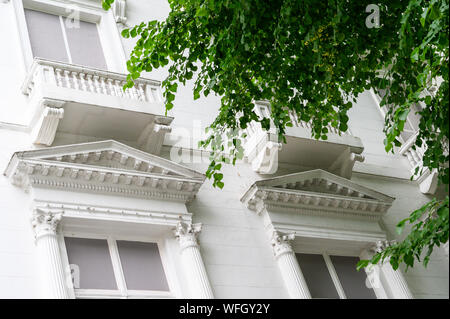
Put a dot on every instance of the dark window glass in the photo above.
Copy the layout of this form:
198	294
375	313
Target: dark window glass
142	266
317	276
91	261
353	281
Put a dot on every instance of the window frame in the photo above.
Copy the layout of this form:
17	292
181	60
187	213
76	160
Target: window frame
332	271
108	32
122	292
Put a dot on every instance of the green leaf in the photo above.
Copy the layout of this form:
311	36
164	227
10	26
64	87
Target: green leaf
415	54
362	264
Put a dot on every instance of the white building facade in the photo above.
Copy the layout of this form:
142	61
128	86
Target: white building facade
104	196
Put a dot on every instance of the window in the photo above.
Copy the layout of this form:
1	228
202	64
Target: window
58	38
334	277
115	268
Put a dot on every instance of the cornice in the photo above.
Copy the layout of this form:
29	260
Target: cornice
310	231
103	180
49	168
275	194
104	212
81	152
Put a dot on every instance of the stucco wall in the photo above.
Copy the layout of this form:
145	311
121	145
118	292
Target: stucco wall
234	247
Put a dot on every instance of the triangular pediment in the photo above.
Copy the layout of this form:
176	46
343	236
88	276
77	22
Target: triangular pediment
323	182
110	154
105	166
316	188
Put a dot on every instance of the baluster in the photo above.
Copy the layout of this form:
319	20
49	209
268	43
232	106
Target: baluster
410	159
297	121
103	85
415	156
83	81
98	88
67	79
127	93
76	85
59	81
90	83
155	95
135	92
112	89
150	96
141	92
293	119
119	88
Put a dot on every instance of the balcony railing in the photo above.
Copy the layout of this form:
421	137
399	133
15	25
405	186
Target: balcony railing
427	179
414	155
86	101
90	80
262	148
296	122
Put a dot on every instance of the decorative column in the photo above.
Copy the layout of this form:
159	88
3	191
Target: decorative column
397	284
195	271
289	267
50	264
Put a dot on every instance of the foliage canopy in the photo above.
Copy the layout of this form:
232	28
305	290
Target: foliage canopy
313	58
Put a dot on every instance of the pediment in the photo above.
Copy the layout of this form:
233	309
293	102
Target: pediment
110	154
316	188
93	165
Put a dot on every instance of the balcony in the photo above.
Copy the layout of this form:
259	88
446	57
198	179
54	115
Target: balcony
85	101
427	179
263	150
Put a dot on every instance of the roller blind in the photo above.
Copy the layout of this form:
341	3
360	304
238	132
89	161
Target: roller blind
52	38
46	36
142	266
92	259
317	276
84	45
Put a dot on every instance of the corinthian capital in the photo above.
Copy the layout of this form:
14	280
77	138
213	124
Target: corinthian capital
381	245
45	223
281	243
186	234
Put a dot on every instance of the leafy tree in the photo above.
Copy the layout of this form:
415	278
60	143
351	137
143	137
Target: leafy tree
313	58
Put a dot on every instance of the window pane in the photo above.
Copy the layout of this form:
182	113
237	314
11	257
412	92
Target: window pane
46	35
317	276
93	261
84	44
142	266
353	281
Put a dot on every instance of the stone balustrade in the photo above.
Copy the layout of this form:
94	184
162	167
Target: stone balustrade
73	99
413	154
296	122
85	79
263	148
428	180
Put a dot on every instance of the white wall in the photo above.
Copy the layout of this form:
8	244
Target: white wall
235	249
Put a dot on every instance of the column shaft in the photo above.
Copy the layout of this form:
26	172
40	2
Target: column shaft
196	273
51	269
194	268
397	283
293	276
50	264
394	278
290	269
